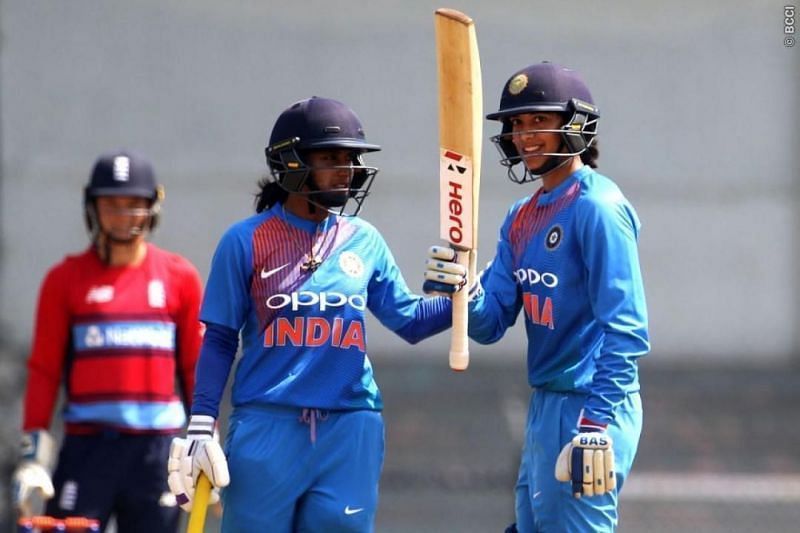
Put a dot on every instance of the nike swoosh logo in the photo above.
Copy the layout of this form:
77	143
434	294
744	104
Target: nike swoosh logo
265	274
537	494
348	510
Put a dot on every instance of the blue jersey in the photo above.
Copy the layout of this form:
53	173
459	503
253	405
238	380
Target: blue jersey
569	259
304	342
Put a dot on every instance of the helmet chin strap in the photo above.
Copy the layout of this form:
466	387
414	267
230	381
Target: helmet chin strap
551	165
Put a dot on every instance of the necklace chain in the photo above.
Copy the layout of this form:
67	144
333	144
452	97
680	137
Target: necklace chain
312	261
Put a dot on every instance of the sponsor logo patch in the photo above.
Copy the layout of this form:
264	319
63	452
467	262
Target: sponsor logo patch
158	335
100	294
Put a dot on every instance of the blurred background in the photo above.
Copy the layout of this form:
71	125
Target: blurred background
699	106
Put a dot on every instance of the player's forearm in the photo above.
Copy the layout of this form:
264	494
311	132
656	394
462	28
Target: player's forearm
217	353
432	316
40	396
491	313
616	373
187	355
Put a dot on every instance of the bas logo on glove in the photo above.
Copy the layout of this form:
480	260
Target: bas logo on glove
588	462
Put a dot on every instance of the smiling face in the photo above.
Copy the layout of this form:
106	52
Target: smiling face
535	137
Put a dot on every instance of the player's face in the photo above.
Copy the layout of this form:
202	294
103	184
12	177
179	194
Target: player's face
122	218
532	141
332	172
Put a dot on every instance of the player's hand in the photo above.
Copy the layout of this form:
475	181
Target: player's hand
31	479
198	452
588	462
443	274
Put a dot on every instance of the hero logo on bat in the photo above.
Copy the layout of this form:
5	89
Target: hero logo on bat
455	190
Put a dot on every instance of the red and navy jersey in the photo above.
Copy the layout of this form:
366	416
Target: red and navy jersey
117	337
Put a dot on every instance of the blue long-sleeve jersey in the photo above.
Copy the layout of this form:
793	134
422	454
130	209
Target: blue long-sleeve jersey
569	258
304	342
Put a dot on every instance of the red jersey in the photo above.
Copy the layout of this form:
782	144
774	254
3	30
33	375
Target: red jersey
117	336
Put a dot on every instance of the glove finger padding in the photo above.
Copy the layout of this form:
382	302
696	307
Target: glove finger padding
179	473
210	459
588	462
30	480
443	274
187	459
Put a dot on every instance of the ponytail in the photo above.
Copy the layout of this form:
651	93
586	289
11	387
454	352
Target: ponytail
270	193
591	155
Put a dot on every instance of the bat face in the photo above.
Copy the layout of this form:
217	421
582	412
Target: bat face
460	136
456	193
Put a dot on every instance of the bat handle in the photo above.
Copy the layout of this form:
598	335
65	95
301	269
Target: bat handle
459	342
202	494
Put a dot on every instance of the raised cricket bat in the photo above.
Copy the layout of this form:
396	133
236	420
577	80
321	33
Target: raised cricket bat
460	137
202	494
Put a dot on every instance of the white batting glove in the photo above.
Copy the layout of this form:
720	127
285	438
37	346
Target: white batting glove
443	275
588	462
198	452
31	479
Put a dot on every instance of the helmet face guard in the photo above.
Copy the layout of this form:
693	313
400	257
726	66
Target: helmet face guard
122	173
320	124
546	88
289	169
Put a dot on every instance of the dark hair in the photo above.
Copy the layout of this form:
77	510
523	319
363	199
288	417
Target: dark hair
269	194
591	155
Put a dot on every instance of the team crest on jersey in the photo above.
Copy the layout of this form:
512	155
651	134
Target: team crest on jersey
156	294
100	294
553	238
351	264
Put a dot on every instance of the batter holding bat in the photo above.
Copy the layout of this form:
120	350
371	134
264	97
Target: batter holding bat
116	324
567	256
306	437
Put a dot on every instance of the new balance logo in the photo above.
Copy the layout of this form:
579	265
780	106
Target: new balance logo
349	511
265	274
100	294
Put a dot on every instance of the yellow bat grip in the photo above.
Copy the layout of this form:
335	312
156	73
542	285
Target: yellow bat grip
202	493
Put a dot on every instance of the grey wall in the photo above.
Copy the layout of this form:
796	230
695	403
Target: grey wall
699	108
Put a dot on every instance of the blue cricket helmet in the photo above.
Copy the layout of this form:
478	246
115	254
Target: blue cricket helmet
122	173
547	87
318	123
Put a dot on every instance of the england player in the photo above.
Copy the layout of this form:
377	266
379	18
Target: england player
306	437
116	324
567	256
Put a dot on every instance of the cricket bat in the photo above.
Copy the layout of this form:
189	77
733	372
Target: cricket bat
460	137
202	494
